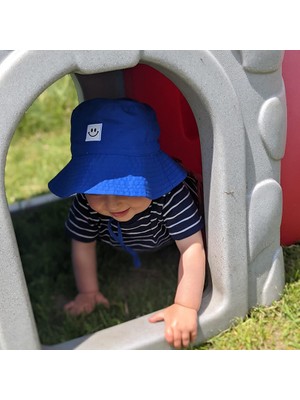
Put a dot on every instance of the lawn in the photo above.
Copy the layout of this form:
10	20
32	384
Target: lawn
39	149
45	255
40	145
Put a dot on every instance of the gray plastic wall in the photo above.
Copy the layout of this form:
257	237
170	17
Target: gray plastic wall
238	100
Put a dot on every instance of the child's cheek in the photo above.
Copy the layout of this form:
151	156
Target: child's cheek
96	205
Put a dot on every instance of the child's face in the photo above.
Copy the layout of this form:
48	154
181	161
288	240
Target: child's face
121	208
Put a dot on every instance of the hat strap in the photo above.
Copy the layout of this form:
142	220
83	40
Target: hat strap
119	239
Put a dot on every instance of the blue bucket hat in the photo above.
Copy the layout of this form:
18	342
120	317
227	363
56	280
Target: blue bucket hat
115	151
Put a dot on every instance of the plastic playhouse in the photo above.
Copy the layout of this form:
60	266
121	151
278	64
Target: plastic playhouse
223	114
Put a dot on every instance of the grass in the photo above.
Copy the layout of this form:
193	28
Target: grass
39	149
40	145
269	328
266	328
46	261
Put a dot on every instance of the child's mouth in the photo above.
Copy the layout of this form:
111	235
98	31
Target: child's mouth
120	214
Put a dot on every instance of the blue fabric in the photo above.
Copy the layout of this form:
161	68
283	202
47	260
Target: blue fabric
115	150
119	239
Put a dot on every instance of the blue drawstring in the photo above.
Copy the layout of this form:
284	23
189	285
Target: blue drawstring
119	239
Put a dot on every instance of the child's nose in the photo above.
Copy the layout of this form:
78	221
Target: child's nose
112	202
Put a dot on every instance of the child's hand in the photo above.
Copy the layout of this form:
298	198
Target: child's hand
180	324
84	303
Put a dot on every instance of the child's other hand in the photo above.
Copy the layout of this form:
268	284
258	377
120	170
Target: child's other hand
85	303
180	324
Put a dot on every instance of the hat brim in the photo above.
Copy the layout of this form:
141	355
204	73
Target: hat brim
150	176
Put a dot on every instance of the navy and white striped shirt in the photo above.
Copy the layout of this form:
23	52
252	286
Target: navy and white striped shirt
174	216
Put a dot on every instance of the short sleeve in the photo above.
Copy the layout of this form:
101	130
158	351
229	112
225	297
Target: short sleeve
83	222
181	214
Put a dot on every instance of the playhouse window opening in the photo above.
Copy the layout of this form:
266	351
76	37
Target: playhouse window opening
179	132
44	249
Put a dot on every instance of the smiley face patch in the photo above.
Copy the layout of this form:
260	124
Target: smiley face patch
93	132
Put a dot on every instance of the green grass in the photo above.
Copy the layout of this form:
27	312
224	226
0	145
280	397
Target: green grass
46	261
41	144
39	149
268	328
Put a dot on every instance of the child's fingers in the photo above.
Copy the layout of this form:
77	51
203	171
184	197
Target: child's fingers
186	339
85	304
69	306
100	299
159	316
76	308
193	335
177	339
169	335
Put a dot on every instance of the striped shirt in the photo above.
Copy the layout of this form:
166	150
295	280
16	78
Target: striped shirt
174	216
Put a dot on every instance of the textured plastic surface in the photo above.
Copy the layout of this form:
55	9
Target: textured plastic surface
238	101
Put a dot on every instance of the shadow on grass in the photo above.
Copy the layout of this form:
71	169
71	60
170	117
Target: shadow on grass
45	255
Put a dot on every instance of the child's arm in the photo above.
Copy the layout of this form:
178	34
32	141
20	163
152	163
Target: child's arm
181	320
85	270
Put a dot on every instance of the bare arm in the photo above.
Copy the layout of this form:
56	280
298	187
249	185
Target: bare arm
181	318
85	266
191	272
85	271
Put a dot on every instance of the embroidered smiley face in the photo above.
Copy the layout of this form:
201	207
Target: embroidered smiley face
93	132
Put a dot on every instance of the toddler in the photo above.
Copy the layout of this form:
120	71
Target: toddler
132	195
